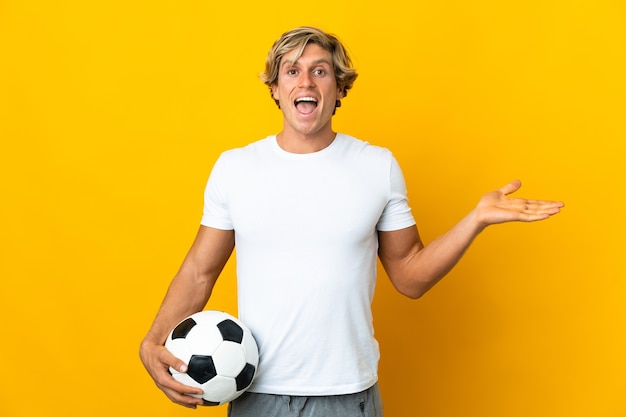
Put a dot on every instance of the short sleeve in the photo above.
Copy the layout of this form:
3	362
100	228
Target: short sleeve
216	211
397	213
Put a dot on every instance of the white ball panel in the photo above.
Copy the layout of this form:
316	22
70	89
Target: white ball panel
250	348
203	339
210	317
179	348
234	396
229	359
186	379
219	388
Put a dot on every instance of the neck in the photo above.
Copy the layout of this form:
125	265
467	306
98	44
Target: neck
304	143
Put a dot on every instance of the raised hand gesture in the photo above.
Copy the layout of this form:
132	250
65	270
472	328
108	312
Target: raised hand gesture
498	207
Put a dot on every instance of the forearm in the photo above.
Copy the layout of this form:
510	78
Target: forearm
191	288
414	272
437	258
187	294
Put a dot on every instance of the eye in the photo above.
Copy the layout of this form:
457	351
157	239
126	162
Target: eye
292	72
319	72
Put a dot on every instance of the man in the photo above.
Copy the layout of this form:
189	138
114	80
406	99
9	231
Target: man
309	210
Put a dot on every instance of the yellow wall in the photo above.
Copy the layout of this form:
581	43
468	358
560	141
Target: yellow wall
113	112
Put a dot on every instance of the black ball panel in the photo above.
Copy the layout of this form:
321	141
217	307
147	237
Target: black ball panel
231	331
244	379
201	368
182	330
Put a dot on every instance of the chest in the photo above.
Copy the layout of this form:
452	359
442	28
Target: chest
319	201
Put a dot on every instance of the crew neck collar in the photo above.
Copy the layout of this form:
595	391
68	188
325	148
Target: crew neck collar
315	154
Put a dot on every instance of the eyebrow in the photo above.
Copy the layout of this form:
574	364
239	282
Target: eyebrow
314	63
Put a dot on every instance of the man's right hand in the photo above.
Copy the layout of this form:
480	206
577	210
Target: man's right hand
157	360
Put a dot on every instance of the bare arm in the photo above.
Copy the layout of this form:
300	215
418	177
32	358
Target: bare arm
414	268
188	293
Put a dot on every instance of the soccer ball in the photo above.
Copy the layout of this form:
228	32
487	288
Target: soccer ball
220	353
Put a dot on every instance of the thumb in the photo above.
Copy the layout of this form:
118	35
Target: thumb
172	361
511	187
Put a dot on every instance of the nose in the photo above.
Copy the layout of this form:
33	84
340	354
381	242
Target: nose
306	80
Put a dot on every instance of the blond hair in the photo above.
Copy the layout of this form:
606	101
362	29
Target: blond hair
297	39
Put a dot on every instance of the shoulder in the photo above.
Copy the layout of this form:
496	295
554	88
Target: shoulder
251	149
233	162
364	149
245	154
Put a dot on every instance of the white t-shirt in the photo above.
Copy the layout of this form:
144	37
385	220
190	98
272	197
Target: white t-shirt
306	246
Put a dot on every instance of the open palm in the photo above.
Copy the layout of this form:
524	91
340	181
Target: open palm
497	207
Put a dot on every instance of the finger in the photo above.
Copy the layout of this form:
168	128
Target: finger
532	217
550	204
542	213
166	381
544	206
545	202
171	361
180	393
186	400
548	211
511	187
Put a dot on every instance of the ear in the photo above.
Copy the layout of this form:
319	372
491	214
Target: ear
274	89
340	93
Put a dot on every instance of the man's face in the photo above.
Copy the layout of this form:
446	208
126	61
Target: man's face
307	91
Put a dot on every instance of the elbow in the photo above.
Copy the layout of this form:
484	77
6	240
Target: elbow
414	295
411	280
413	291
416	285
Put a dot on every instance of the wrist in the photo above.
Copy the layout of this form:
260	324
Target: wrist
152	338
476	222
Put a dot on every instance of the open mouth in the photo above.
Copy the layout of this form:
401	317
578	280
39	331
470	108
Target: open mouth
305	105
